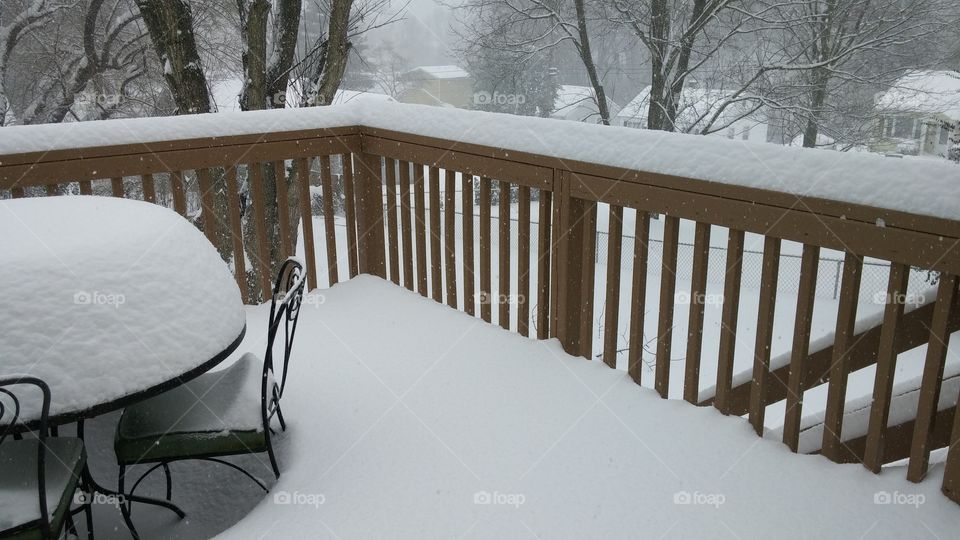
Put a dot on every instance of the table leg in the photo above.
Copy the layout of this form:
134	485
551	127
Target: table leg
123	499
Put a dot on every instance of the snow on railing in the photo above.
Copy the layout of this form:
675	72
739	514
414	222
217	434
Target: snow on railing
418	187
858	178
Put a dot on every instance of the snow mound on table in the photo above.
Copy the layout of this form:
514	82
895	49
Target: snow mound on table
106	297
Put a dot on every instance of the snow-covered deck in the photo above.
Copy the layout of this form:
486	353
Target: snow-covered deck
410	420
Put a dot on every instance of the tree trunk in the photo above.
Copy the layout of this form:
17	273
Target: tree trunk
170	24
337	51
253	17
587	58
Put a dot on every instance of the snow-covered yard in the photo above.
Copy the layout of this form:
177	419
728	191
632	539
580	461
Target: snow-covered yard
410	420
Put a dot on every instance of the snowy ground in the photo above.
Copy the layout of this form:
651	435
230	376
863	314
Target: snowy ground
860	385
410	420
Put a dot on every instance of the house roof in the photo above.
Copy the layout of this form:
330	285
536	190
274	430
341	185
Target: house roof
571	97
697	106
439	72
353	96
930	92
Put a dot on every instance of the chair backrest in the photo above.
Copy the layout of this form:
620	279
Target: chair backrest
11	425
284	311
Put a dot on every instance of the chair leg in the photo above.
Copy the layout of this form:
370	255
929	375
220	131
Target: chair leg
88	512
125	505
283	424
166	473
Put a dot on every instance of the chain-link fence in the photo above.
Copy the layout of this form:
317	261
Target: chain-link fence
873	286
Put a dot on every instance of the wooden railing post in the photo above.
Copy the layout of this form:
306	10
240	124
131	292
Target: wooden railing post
368	191
567	274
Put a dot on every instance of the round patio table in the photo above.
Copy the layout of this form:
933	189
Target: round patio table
109	301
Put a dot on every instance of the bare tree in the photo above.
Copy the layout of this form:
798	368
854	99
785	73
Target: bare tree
529	28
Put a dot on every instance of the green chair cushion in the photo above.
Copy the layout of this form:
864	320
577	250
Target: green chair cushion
19	493
218	413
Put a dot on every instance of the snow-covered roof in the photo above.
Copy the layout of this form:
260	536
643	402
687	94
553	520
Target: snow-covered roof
572	97
439	72
353	96
929	92
226	95
697	106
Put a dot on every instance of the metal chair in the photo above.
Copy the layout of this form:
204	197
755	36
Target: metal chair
222	413
39	474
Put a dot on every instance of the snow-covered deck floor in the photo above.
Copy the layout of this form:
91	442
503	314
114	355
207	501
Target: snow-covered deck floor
405	417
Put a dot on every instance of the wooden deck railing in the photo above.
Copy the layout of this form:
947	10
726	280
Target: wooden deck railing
402	226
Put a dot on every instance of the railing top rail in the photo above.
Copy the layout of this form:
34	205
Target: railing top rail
865	187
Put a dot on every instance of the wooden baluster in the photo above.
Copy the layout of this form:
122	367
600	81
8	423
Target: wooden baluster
283	208
611	319
86	188
832	447
886	366
450	235
698	291
668	286
638	294
52	190
469	277
408	251
421	226
543	265
801	345
116	186
503	291
17	192
205	184
368	188
728	322
588	279
764	339
236	232
329	220
393	231
951	471
932	379
436	277
486	263
255	170
149	188
523	261
306	218
350	209
178	191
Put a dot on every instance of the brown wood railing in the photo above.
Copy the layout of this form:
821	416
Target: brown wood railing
402	226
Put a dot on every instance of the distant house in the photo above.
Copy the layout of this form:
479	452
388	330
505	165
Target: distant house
698	106
918	114
579	103
438	85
